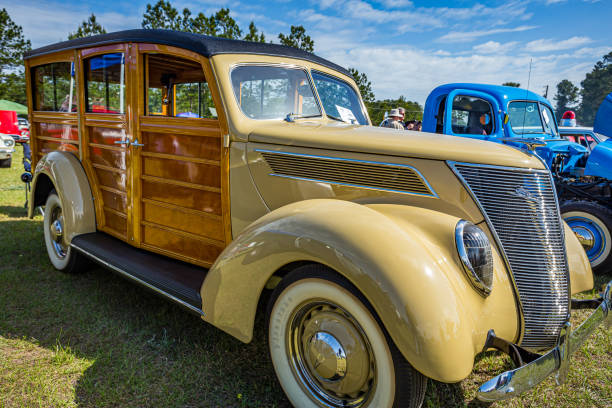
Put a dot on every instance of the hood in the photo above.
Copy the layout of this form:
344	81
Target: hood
391	142
603	119
599	162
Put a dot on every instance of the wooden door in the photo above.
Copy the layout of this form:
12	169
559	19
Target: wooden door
179	171
105	134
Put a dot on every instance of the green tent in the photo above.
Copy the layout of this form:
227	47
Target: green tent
13	106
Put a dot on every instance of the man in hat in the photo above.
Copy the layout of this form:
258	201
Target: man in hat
393	120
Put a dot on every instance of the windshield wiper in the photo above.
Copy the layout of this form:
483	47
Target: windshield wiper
291	117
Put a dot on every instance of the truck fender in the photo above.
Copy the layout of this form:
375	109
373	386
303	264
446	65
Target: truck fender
404	261
599	162
63	172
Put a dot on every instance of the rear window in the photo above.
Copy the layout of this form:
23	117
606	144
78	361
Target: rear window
54	87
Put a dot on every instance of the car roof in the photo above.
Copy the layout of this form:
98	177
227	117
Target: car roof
501	93
201	44
575	129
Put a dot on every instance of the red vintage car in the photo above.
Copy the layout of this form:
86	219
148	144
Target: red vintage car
9	125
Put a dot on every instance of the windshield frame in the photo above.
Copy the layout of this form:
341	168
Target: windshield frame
541	107
304	69
364	111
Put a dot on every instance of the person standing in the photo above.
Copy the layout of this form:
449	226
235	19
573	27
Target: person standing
393	120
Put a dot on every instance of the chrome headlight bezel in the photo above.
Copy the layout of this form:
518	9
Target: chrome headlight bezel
9	142
480	276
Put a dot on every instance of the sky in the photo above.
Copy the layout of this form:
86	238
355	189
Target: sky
405	47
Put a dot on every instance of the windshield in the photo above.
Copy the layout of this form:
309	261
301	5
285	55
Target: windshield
273	92
531	117
339	99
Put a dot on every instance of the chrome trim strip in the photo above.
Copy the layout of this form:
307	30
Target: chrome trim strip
331	158
514	382
138	280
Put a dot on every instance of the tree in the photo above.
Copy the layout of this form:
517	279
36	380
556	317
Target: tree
297	39
595	86
514	84
365	86
566	97
224	26
88	28
377	109
254	35
12	47
163	15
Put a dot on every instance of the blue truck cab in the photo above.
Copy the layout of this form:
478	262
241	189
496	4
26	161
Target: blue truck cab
526	120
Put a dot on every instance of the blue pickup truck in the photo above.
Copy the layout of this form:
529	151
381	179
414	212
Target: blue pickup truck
525	120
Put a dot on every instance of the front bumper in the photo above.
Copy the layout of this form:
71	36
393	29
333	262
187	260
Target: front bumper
6	153
517	381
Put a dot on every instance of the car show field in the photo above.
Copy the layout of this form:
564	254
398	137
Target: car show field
96	340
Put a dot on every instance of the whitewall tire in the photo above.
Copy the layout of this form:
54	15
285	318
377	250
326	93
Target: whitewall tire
329	350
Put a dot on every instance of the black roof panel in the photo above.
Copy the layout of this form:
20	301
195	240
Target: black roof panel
202	44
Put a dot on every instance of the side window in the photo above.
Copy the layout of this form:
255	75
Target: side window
177	87
105	83
440	116
472	116
54	87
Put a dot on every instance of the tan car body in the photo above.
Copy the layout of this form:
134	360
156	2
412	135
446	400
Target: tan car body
398	249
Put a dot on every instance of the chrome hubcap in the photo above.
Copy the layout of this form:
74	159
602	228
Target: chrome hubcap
330	355
56	232
326	356
585	237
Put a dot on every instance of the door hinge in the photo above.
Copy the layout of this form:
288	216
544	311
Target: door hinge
226	140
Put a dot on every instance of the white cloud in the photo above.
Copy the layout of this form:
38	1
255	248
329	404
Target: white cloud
547	44
464	36
494	47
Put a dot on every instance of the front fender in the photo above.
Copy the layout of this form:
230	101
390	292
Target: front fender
403	259
68	177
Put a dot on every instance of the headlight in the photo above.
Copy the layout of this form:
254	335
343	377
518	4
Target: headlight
9	142
475	252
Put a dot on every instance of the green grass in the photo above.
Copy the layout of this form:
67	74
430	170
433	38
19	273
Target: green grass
95	340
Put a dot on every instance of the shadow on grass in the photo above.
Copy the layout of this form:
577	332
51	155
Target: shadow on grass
144	350
13	211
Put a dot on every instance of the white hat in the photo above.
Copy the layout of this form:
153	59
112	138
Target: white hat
394	112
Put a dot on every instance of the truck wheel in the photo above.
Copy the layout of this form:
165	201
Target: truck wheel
6	163
61	255
592	223
330	350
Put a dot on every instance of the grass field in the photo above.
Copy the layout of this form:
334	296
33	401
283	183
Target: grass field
95	340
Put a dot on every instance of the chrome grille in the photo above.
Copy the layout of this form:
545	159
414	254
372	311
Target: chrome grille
357	173
521	208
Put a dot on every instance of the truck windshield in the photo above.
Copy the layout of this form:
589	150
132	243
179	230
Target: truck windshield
339	99
531	117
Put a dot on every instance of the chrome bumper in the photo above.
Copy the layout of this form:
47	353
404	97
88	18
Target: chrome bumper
517	381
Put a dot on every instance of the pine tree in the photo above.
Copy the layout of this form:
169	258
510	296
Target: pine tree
297	39
595	86
12	47
88	28
365	86
566	97
254	35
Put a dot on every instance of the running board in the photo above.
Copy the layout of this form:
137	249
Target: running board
172	279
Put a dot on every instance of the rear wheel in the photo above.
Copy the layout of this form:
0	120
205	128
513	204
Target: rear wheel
592	223
61	255
329	350
6	163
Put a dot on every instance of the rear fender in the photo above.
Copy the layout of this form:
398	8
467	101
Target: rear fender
403	259
67	176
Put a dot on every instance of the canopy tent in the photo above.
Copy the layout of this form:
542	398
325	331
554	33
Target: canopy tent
13	106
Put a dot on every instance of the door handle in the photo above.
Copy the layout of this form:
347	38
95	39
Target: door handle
123	142
135	143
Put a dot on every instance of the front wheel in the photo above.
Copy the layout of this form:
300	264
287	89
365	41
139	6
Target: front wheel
592	223
329	350
61	255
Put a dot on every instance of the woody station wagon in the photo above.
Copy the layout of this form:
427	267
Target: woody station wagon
212	170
